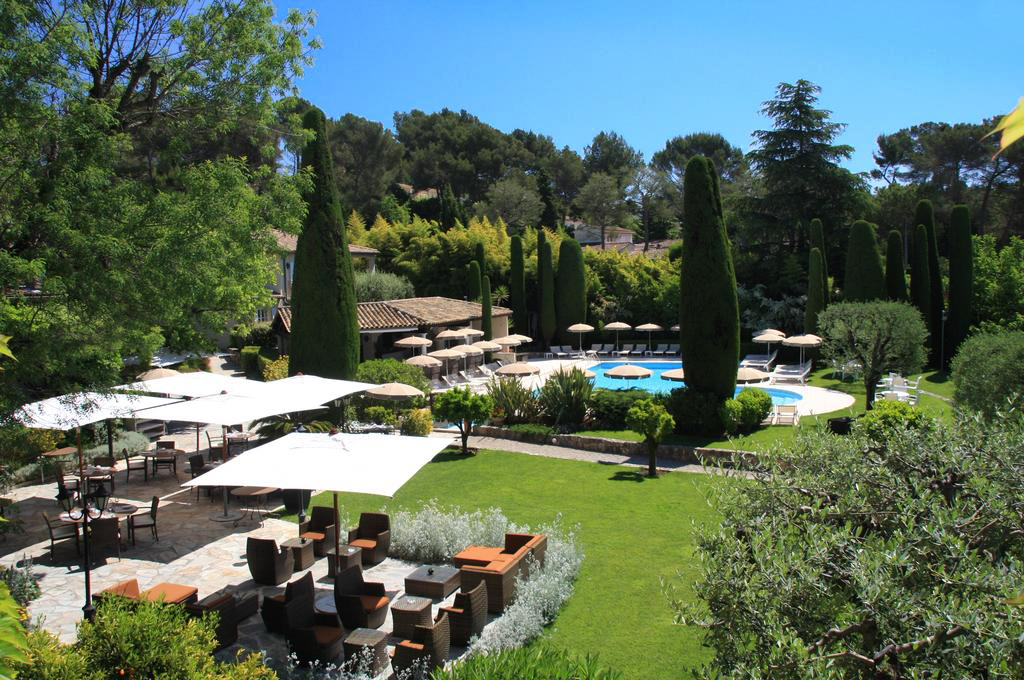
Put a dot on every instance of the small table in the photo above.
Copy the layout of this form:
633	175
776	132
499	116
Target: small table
302	551
436	582
237	439
252	494
325	605
350	556
407	612
161	455
171	593
68	519
363	638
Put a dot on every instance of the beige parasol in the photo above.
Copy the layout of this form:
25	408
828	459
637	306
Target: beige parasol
674	328
450	334
589	374
580	329
750	375
393	392
628	372
618	326
487	345
768	339
520	337
650	328
507	341
446	355
467	349
772	331
154	373
471	332
518	370
423	360
414	341
803	342
675	374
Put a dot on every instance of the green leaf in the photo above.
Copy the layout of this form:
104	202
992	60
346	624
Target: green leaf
1012	127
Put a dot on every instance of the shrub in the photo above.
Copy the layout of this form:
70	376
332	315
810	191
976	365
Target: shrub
988	370
463	408
275	369
608	407
757	404
513	400
432	534
540	662
249	358
649	418
731	414
564	398
21	582
417	422
379	371
532	428
887	416
380	415
695	412
378	286
125	439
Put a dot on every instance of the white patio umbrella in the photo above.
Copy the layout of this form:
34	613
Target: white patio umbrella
521	338
580	329
674	328
802	341
446	355
154	373
487	345
196	384
768	339
413	342
313	388
423	361
507	341
469	332
618	326
650	328
450	334
750	375
772	331
518	370
676	375
377	464
394	392
628	372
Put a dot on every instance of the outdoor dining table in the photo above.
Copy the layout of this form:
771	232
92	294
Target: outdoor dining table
238	439
159	454
254	494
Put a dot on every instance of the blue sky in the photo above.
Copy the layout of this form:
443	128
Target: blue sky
653	70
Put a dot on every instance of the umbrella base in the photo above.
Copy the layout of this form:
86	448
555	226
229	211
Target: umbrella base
230	517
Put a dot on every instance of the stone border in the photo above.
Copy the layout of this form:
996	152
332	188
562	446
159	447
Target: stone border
683	454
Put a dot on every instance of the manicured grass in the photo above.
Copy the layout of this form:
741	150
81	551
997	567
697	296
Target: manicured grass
634	532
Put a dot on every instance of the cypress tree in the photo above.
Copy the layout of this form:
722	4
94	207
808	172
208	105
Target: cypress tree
473	281
481	258
815	303
961	278
549	217
816	237
895	276
450	208
864	278
708	310
924	214
570	288
325	332
486	324
517	286
546	283
920	281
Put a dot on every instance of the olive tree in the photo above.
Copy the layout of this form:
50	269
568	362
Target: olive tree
867	557
650	419
463	408
880	336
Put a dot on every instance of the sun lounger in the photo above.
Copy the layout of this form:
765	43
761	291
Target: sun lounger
762	362
437	386
786	414
626	349
594	349
672	351
608	350
660	352
638	351
791	373
558	352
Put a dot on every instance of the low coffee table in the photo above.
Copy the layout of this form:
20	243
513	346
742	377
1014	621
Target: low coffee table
434	582
407	612
350	556
325	604
367	638
302	550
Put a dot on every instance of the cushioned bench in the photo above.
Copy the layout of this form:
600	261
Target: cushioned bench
499	567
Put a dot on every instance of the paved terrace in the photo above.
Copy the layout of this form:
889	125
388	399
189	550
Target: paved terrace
192	550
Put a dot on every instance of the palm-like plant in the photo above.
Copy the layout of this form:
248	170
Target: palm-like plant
564	397
275	427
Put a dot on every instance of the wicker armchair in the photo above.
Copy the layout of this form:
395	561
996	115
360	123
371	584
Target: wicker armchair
360	604
320	528
468	614
373	535
430	643
230	608
307	639
273	610
267	564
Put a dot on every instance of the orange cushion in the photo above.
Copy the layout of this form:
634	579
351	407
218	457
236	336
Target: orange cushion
364	543
129	588
409	644
312	536
373	602
169	592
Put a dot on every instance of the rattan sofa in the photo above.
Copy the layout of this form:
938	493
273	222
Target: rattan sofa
498	567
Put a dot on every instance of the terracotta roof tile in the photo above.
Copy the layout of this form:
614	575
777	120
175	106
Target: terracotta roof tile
408	313
375	316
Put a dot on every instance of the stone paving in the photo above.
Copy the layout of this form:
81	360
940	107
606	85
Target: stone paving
192	550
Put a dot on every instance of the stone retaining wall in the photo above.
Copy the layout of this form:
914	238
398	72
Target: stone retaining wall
684	454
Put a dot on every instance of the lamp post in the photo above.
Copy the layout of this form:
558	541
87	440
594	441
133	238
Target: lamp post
86	512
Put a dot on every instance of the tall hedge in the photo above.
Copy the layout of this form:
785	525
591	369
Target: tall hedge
920	280
895	275
517	286
864	278
815	302
816	237
473	281
546	283
708	308
325	332
486	324
924	214
570	288
961	278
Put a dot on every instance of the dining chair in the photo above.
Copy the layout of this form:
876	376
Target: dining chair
104	535
59	532
107	462
145	520
132	463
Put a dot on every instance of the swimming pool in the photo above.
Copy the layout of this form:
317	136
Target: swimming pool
654	383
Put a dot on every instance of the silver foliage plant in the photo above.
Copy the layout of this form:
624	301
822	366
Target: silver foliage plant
432	534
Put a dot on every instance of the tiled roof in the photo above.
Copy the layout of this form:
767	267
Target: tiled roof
408	313
287	242
655	250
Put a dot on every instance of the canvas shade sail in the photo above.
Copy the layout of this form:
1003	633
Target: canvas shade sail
229	409
197	384
376	464
313	388
85	408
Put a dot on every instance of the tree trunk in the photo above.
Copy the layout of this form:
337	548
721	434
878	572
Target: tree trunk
652	459
464	431
869	388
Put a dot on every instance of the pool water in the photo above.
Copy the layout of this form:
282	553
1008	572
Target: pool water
654	383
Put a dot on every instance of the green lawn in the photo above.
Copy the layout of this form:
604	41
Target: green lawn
634	532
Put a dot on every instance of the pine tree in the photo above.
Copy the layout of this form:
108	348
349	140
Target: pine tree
517	286
473	281
549	218
924	214
708	311
546	284
325	333
570	288
864	278
486	323
816	236
920	280
895	274
815	303
961	278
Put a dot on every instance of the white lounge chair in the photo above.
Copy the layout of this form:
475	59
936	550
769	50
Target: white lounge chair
660	352
762	362
638	350
791	373
786	414
626	349
558	351
672	351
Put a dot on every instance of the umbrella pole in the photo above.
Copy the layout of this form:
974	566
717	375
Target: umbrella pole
110	438
337	528
225	516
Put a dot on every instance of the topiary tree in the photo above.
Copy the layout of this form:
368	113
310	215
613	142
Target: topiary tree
815	303
473	281
924	214
881	336
961	278
708	310
463	408
864	278
517	286
920	280
816	237
547	323
649	418
895	276
325	332
988	371
486	323
570	288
